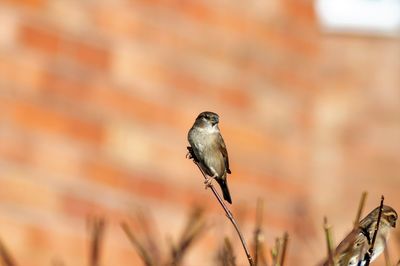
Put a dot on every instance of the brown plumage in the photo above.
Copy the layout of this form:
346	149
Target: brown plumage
210	150
354	246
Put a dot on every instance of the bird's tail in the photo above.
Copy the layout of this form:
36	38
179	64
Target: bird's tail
225	191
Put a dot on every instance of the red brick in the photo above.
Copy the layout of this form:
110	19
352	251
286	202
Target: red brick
63	86
302	10
15	148
110	98
17	189
38	116
235	27
83	207
137	183
76	89
236	97
185	82
11	67
29	3
52	41
91	55
41	38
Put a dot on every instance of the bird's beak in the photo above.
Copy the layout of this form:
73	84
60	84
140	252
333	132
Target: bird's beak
215	121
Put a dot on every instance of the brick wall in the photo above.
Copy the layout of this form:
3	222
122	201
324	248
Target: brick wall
96	98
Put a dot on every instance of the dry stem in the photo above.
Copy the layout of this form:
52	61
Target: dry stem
5	256
275	252
360	209
96	228
227	211
259	256
371	248
284	247
139	247
193	229
226	256
329	241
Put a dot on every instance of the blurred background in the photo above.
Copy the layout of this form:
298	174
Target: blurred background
96	98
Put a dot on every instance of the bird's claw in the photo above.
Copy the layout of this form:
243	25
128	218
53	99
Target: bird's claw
208	181
190	154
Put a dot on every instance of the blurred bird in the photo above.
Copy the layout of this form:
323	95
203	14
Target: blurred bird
210	151
352	250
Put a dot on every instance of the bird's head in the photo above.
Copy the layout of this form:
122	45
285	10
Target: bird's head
208	118
389	216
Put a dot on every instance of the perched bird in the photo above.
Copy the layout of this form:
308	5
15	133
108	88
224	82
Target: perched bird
352	250
210	151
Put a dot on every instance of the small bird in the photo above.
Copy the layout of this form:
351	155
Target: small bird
352	250
210	151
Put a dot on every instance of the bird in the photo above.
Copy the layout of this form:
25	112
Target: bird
209	150
351	251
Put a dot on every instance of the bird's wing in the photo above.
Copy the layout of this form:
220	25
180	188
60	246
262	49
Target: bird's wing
353	246
222	148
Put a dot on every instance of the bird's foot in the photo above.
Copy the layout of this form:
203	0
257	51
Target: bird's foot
208	181
190	154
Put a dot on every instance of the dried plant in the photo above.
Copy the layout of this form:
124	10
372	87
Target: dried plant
146	246
5	256
278	251
146	224
96	227
143	252
360	209
259	238
329	241
285	240
195	226
226	255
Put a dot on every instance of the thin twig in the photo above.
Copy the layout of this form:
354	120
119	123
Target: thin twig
371	248
284	247
143	253
96	227
226	256
277	252
227	211
258	231
360	209
5	256
274	254
329	241
193	229
149	233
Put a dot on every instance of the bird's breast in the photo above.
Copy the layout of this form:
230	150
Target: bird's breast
202	138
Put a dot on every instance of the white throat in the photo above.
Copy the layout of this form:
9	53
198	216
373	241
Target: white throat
210	129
